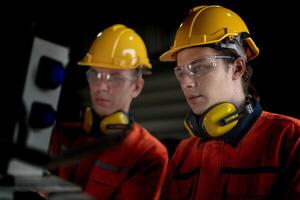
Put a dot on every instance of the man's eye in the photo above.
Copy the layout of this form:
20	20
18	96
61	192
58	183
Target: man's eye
179	72
197	68
115	77
200	67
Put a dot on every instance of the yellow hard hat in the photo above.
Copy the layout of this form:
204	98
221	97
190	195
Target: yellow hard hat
211	25
117	47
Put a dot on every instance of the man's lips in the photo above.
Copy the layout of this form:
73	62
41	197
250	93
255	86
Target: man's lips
193	98
101	100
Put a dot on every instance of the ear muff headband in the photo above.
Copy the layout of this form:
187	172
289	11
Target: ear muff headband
188	127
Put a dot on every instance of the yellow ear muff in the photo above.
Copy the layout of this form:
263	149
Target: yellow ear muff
114	123
87	120
220	119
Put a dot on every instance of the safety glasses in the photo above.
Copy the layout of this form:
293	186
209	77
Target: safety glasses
199	67
114	78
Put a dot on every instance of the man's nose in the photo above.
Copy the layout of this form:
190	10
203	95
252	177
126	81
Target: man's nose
102	84
187	81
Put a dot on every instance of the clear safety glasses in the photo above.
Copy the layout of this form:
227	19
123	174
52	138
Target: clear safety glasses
199	67
114	78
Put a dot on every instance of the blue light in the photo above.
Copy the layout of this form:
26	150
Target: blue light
48	119
41	116
50	73
57	74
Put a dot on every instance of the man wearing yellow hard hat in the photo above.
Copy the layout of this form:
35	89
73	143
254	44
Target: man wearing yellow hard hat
236	149
134	168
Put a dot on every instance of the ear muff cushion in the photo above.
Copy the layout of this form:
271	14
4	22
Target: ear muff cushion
211	119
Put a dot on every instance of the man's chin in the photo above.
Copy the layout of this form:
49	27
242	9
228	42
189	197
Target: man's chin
102	112
198	110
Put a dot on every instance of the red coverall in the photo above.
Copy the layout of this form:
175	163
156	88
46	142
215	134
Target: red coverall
133	169
264	163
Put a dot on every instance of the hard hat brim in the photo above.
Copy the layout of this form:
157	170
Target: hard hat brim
168	56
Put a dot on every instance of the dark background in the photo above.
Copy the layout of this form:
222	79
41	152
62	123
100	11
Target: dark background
273	27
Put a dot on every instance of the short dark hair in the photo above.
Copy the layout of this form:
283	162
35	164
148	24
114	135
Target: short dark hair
137	72
248	87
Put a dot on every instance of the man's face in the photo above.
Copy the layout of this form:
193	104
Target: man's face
112	90
204	79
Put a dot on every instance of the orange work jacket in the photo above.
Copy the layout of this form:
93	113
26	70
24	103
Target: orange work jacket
263	163
133	169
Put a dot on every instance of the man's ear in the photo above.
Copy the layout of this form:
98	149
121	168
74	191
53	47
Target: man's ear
239	67
138	87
